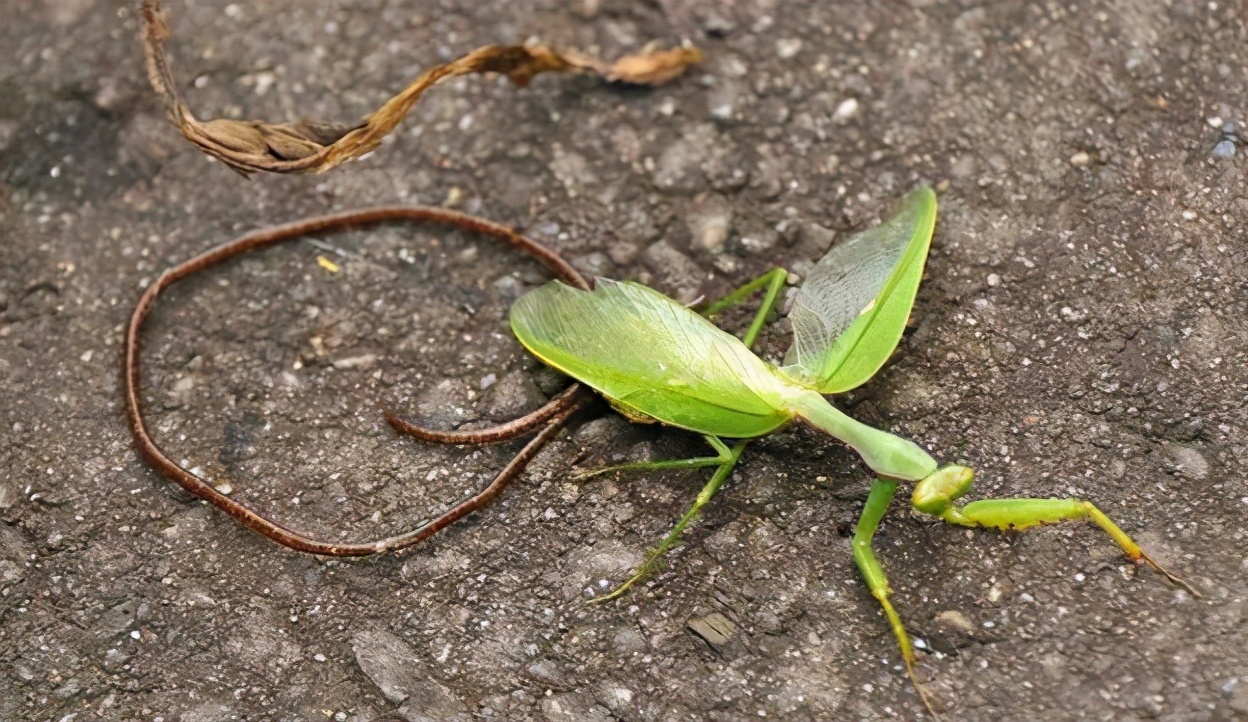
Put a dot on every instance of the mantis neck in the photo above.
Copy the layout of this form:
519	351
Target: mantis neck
886	454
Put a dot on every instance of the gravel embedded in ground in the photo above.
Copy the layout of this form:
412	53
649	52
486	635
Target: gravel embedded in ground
1081	331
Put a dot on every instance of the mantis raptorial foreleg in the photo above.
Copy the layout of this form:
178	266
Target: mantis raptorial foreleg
936	494
772	281
877	504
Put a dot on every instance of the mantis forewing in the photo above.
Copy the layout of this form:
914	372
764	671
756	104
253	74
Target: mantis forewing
850	313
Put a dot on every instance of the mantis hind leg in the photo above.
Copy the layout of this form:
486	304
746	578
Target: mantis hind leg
654	557
726	460
873	574
722	456
935	495
772	281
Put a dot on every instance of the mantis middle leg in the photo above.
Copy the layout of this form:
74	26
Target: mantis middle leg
727	459
654	557
723	455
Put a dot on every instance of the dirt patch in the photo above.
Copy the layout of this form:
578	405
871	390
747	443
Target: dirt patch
1081	332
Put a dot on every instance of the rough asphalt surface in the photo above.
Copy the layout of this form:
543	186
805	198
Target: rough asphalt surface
1081	331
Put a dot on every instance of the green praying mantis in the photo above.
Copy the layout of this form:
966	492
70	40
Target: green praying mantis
656	360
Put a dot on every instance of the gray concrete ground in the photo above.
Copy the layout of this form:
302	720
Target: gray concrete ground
1081	332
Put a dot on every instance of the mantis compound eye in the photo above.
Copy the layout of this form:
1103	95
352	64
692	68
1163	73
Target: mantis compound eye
936	493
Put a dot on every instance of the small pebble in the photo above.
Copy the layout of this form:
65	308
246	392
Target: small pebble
362	361
596	264
717	25
715	629
1224	149
513	395
1188	462
1239	699
709	218
509	288
955	619
677	271
1081	160
846	111
788	47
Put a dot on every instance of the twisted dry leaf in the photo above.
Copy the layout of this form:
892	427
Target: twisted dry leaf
308	146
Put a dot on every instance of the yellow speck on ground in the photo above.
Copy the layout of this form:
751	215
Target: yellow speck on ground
327	264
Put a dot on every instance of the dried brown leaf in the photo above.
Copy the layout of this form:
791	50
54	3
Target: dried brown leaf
652	67
307	146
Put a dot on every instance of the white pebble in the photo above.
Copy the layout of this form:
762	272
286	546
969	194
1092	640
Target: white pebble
788	47
847	110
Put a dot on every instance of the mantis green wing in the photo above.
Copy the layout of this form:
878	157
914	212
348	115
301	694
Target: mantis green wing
651	357
849	314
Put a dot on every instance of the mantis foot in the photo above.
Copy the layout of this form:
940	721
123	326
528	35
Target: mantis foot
653	563
882	492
